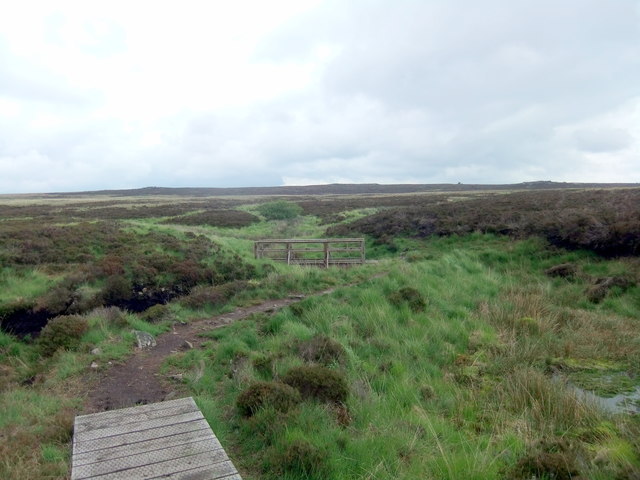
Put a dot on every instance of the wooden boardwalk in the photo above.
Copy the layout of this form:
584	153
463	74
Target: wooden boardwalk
161	440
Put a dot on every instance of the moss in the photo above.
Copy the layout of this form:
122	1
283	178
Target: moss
604	385
603	377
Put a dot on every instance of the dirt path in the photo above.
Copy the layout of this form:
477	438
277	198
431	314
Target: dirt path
138	381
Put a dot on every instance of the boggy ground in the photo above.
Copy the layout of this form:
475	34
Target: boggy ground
451	361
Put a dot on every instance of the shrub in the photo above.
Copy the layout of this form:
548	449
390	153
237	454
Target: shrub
156	314
258	395
279	210
201	296
187	274
316	381
56	301
117	289
322	349
216	218
64	332
604	221
553	459
408	295
111	315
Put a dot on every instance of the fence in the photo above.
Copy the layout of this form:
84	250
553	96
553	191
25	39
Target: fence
322	252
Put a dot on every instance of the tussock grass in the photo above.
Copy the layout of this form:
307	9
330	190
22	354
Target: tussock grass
458	389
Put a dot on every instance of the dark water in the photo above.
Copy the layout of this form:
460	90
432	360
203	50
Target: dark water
28	323
621	403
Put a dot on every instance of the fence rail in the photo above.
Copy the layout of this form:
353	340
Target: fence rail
323	252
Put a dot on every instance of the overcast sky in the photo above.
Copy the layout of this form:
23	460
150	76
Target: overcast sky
130	94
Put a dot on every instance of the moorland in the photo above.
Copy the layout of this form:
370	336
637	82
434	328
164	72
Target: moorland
494	333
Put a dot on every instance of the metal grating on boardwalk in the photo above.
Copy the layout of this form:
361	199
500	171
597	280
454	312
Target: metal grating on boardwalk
161	440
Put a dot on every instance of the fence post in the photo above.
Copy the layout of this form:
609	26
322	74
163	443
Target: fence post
326	254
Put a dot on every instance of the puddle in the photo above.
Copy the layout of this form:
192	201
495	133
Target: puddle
628	402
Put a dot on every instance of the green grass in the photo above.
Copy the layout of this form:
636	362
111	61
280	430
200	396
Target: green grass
24	284
458	390
459	385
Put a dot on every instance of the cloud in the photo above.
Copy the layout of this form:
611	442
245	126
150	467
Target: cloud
255	93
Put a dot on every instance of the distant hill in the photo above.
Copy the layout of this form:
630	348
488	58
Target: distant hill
343	189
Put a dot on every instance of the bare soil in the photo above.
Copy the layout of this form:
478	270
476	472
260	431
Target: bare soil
138	380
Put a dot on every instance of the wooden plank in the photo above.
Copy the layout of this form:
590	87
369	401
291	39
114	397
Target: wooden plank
171	468
127	449
138	426
131	417
175	454
167	440
140	409
202	473
138	437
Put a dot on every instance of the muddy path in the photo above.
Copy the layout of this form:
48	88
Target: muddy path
138	380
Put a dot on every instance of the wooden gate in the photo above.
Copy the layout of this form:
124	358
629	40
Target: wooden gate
323	252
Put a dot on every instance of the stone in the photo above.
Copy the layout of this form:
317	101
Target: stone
96	351
170	396
186	345
563	270
144	339
94	365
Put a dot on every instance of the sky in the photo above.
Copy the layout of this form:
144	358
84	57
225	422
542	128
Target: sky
128	94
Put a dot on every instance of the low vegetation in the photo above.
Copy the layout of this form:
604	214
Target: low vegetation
280	210
487	341
216	218
604	221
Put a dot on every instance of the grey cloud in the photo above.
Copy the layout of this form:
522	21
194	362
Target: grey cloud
413	91
602	140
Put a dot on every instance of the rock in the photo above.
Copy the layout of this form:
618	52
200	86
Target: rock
601	286
94	365
96	351
144	339
186	345
564	270
170	396
177	377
